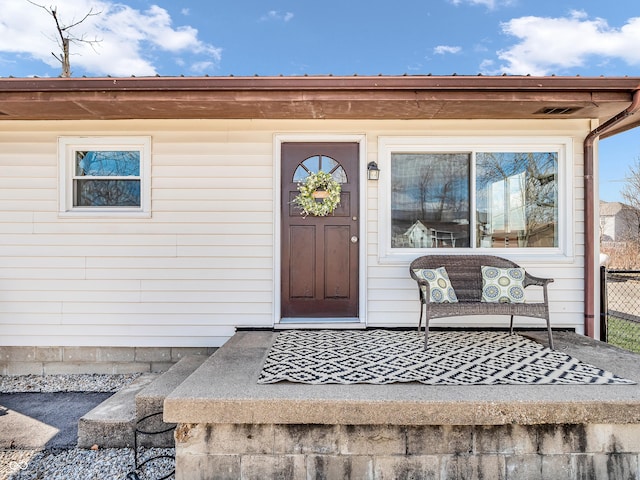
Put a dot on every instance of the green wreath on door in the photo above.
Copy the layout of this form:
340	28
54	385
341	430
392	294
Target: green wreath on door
319	195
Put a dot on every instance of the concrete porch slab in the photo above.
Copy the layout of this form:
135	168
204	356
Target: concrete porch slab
224	390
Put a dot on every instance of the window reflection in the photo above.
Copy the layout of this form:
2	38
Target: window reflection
95	184
320	163
108	163
107	193
517	199
430	200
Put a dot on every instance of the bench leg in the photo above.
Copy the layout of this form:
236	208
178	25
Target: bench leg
549	333
426	332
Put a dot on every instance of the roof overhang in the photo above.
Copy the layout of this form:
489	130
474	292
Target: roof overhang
318	97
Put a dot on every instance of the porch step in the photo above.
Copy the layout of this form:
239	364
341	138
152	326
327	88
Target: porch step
113	422
149	402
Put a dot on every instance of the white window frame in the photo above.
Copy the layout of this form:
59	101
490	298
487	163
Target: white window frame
67	148
563	146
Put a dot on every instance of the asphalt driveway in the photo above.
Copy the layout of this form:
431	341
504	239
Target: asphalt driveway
43	420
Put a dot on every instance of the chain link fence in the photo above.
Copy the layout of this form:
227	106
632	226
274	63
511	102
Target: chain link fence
620	325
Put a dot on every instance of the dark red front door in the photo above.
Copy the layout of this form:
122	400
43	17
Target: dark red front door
320	253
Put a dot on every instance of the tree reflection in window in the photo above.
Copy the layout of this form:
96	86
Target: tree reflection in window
430	200
107	179
320	163
517	199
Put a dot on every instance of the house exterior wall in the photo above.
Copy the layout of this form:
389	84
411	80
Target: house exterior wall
608	228
625	225
618	222
204	263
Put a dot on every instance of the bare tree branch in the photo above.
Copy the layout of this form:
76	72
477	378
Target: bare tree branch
65	37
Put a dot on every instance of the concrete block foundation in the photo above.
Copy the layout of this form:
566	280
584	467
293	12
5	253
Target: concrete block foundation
228	451
99	360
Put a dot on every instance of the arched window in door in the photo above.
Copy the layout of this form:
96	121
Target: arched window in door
319	163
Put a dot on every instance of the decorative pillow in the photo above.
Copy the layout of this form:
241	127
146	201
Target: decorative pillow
502	285
439	285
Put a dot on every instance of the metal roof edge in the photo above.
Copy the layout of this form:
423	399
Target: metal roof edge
417	82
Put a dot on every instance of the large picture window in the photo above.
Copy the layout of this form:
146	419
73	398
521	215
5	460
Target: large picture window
474	196
105	175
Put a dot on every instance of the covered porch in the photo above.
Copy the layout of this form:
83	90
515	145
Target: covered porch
229	426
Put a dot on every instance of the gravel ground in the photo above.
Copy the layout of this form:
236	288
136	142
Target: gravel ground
77	464
65	383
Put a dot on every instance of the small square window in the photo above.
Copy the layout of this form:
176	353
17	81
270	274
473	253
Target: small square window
105	176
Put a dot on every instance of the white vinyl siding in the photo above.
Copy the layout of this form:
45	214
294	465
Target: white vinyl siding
204	263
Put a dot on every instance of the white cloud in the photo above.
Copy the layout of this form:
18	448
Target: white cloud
553	45
444	49
490	4
487	65
202	67
130	40
274	15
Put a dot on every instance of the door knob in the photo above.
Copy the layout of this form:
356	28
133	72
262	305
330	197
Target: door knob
354	239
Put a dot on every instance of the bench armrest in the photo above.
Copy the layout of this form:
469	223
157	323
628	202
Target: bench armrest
421	283
538	281
541	282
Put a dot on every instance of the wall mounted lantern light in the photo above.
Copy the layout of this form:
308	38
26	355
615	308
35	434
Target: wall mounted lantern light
373	172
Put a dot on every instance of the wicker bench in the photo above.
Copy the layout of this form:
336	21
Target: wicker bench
465	274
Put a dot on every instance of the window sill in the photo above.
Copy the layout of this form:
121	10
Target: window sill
106	213
538	255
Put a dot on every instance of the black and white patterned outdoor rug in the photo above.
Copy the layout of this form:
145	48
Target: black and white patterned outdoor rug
453	358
